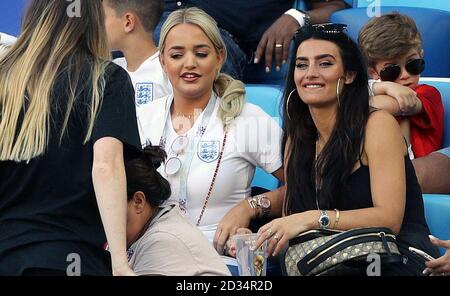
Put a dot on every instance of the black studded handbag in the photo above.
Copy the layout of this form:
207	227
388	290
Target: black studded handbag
334	252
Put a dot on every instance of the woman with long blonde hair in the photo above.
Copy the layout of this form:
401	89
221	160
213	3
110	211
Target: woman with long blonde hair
65	115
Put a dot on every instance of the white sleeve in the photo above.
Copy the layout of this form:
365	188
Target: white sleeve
7	39
259	138
121	62
298	15
371	83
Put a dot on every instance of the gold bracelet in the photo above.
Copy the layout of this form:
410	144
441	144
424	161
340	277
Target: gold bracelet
336	220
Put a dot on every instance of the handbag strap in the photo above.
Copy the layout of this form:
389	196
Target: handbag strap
341	241
213	181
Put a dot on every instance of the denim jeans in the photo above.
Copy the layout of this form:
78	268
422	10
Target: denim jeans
236	57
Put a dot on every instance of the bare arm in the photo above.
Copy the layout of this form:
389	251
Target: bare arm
108	176
385	150
241	214
277	196
433	173
391	105
386	103
321	12
399	99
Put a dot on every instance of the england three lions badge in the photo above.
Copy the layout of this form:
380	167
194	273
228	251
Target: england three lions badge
144	93
208	151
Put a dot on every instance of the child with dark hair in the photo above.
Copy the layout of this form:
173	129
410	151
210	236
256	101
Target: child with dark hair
392	46
160	240
129	26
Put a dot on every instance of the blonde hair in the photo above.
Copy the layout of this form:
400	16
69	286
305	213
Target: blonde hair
231	91
4	49
28	70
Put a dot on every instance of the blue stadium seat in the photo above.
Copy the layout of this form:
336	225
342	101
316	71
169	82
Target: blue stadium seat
433	24
443	85
437	214
436	4
268	97
299	4
10	16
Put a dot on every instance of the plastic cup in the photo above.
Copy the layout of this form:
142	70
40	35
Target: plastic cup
250	262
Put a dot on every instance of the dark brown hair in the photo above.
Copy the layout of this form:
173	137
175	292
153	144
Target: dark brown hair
148	11
337	159
142	175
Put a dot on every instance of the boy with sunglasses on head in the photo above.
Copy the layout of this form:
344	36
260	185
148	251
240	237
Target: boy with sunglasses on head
392	46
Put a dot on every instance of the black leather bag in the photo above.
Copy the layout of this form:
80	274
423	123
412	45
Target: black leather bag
333	252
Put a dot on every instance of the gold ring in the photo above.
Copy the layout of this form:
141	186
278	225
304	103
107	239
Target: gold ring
270	232
278	45
276	237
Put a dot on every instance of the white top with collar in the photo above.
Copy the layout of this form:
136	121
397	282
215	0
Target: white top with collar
149	84
253	140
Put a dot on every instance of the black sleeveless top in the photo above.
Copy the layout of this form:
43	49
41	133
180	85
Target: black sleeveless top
414	231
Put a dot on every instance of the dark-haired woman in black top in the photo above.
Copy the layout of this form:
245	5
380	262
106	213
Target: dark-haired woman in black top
346	167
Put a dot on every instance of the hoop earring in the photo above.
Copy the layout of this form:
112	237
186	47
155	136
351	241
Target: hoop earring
337	91
287	103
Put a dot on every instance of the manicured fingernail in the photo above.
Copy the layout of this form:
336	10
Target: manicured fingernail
256	60
267	69
425	271
278	68
432	237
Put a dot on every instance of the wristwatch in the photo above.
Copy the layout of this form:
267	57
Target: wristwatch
324	220
260	202
306	19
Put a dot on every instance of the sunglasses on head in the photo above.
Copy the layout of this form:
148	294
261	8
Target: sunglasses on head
391	72
328	28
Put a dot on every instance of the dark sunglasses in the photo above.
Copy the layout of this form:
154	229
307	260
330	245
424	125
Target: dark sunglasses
391	72
328	28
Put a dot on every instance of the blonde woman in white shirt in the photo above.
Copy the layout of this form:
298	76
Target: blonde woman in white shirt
213	138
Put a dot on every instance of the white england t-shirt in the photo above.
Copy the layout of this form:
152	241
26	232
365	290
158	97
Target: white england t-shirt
149	84
253	140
